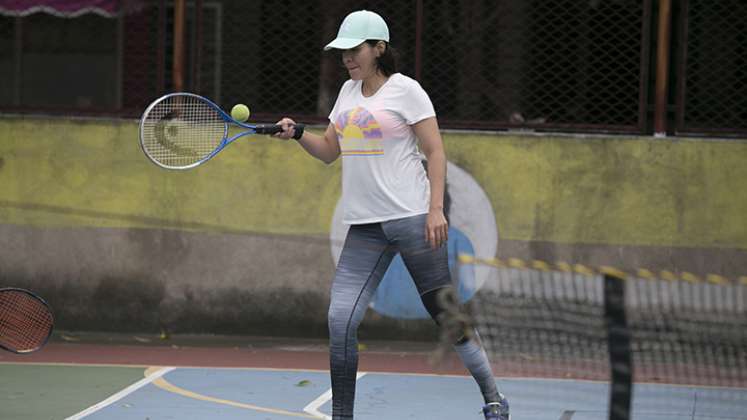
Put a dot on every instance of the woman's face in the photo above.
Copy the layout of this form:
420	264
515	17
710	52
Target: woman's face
361	61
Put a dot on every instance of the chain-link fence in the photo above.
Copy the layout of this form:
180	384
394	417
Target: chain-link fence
712	91
561	65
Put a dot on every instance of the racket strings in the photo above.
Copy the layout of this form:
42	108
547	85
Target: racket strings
25	322
181	131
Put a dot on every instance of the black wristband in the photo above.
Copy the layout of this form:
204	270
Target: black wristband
298	131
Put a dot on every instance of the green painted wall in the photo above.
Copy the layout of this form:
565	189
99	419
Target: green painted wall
241	243
92	173
592	190
634	191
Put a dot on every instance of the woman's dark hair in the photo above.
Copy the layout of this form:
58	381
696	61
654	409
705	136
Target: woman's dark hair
387	62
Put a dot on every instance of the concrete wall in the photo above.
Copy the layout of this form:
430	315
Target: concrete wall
241	244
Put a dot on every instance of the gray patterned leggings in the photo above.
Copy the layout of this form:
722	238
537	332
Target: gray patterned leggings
368	250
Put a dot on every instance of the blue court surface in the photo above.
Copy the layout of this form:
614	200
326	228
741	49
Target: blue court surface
227	393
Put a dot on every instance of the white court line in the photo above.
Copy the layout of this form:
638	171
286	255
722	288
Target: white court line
121	394
313	407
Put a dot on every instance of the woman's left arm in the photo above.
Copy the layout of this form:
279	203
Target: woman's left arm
436	228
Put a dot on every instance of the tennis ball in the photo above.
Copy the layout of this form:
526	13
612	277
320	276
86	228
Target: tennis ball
240	112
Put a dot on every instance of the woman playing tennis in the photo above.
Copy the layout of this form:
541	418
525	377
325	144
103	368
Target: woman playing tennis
381	121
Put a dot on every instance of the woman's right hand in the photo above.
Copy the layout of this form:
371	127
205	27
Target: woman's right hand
289	129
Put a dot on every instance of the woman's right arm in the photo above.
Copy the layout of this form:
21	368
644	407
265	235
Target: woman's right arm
325	148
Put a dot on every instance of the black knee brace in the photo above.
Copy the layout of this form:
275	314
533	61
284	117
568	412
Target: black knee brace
441	303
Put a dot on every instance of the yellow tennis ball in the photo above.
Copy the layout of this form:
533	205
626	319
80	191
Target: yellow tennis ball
240	112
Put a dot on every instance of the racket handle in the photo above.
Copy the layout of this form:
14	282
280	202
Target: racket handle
274	128
267	128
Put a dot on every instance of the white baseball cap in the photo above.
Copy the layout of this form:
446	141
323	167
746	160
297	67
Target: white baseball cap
357	28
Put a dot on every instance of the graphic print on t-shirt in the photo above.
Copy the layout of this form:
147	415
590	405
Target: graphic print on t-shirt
359	133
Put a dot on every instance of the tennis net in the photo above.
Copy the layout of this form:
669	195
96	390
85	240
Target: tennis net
666	345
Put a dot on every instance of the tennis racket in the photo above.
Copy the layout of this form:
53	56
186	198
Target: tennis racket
26	321
184	130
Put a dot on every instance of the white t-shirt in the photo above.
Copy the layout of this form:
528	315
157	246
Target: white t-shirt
382	174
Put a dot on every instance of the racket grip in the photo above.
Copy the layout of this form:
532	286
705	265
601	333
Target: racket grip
274	128
267	128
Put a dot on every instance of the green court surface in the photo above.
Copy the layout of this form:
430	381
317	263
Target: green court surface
47	392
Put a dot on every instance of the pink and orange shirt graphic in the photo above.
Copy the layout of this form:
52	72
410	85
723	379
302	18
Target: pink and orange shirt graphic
359	133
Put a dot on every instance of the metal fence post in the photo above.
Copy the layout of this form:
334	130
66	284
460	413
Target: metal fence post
662	68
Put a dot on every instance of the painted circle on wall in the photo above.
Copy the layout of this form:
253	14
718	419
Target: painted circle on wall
472	231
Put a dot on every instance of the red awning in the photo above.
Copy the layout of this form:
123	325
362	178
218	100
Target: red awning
68	8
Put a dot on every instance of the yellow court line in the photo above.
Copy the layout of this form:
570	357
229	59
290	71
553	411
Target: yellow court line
168	386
